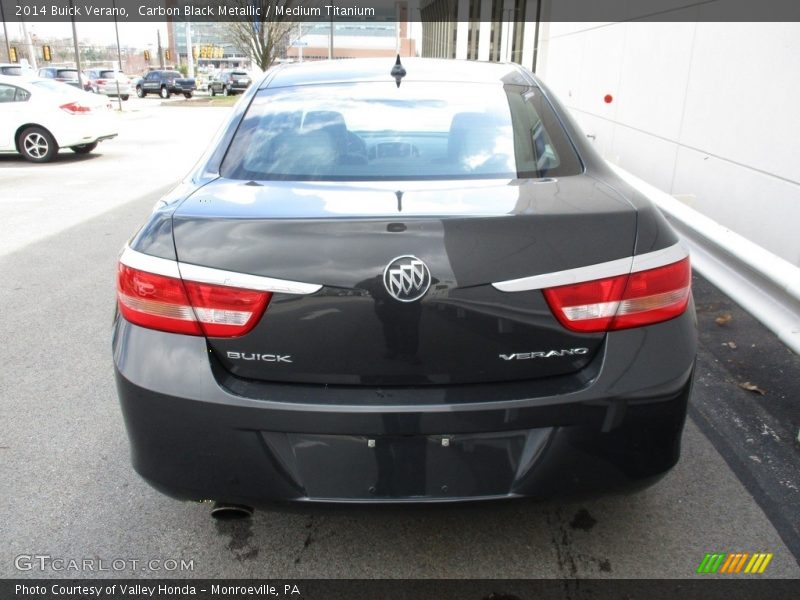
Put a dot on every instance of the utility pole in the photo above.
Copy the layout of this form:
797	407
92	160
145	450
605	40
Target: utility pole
5	32
29	44
189	55
119	54
160	51
299	42
77	50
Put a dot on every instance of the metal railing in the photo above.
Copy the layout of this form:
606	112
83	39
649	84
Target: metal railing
765	285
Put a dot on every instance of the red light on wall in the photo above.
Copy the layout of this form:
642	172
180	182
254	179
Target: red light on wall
608	98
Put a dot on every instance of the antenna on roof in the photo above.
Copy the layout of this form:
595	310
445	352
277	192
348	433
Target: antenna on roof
398	71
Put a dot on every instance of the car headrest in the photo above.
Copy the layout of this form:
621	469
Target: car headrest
310	152
472	132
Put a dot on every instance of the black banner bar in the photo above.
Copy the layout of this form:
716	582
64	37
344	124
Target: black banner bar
374	11
704	587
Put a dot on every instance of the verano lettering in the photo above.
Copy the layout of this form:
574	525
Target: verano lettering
544	354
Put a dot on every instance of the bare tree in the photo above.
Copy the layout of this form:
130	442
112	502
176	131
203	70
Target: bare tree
263	38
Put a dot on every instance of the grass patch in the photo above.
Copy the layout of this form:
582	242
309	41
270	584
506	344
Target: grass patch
201	101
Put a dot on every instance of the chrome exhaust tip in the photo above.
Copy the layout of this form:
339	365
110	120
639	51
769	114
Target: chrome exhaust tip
230	512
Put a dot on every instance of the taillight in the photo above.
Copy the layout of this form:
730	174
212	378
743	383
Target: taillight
177	306
641	298
101	82
76	108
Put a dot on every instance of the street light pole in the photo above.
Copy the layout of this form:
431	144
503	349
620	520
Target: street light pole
160	50
75	43
119	54
189	55
29	46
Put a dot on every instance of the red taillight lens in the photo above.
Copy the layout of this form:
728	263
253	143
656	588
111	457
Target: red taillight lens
169	304
101	82
625	301
226	311
76	108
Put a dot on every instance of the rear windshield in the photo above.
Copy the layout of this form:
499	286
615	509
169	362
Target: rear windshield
238	74
377	131
11	70
109	74
67	73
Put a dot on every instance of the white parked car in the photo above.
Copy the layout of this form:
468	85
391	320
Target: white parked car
16	69
40	116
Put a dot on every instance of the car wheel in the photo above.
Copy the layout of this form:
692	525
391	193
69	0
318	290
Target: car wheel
125	97
37	144
225	91
187	95
164	92
213	91
140	92
84	148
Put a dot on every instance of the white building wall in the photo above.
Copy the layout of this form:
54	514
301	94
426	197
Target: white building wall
708	112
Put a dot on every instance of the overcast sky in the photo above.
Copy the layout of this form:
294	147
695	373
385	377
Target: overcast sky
138	35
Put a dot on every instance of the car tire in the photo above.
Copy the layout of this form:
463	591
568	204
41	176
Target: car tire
164	93
212	90
187	95
84	148
37	144
125	97
140	92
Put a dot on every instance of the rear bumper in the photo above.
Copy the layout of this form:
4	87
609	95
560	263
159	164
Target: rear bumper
111	90
78	130
193	437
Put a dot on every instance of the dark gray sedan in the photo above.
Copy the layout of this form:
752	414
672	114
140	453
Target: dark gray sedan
229	83
402	283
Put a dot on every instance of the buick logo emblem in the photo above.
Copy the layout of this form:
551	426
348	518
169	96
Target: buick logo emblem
406	278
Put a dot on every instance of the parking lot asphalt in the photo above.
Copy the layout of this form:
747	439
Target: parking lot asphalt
69	491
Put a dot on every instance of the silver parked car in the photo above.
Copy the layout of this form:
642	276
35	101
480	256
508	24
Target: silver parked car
109	82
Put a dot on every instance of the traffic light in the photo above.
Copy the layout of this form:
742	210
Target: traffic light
46	54
147	55
167	54
12	54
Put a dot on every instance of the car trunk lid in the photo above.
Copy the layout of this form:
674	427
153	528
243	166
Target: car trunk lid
344	237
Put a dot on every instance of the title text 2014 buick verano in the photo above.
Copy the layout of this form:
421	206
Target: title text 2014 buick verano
402	284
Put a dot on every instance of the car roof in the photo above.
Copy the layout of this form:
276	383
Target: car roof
17	79
378	69
22	81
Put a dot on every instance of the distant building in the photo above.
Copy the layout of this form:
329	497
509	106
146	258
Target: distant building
351	40
490	30
211	43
